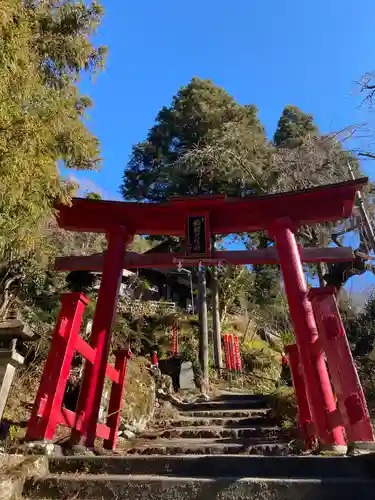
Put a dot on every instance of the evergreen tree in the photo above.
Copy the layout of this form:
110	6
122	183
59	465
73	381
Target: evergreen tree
93	196
293	127
304	157
360	328
203	143
266	285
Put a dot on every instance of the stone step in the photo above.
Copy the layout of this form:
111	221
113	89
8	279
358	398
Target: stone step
226	413
148	487
250	446
227	405
232	396
255	420
233	432
305	467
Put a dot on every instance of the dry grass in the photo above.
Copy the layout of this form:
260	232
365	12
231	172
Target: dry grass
284	407
139	399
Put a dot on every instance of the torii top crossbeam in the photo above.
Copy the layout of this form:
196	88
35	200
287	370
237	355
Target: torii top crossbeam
321	204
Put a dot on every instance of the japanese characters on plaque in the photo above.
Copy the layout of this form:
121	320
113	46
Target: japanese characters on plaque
197	235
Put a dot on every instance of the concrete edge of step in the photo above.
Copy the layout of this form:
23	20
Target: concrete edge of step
312	466
182	458
149	478
161	487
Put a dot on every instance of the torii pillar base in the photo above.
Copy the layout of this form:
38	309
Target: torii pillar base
318	386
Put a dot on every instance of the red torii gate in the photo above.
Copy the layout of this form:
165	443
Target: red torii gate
198	219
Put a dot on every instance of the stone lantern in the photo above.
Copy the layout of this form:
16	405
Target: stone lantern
13	332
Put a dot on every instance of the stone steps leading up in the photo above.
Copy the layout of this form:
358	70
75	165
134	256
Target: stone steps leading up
229	396
251	446
233	432
229	424
229	413
148	487
222	404
257	420
305	467
235	454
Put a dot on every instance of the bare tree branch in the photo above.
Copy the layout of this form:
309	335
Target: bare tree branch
367	155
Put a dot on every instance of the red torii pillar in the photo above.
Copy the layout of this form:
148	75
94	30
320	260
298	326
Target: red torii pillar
88	405
351	399
303	409
319	391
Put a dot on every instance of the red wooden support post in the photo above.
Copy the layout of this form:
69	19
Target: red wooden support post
94	375
231	353
115	400
237	354
48	401
319	390
303	409
351	399
226	352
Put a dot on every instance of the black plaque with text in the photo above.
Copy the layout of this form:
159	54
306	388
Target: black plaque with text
197	235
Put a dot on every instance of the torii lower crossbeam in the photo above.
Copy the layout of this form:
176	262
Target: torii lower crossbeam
133	260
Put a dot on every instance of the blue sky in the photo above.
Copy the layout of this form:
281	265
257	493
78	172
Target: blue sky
269	53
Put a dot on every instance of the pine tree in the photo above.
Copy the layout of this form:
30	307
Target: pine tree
304	157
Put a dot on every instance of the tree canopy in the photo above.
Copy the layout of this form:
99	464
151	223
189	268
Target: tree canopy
207	143
197	146
44	47
293	127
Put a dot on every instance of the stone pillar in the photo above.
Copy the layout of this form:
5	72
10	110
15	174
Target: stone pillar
12	331
319	390
203	344
216	337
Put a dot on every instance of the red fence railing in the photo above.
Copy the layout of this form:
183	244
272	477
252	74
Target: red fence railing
48	411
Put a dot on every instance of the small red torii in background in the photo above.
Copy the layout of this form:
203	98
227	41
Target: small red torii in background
197	219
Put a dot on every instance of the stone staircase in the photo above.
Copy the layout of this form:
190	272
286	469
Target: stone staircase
229	448
231	424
